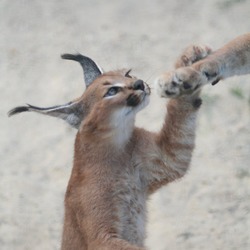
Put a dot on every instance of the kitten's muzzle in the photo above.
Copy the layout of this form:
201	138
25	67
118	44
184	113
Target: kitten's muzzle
141	92
139	85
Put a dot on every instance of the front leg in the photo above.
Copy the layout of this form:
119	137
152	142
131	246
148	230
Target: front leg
174	144
230	60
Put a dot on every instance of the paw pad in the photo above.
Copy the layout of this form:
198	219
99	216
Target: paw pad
197	103
183	81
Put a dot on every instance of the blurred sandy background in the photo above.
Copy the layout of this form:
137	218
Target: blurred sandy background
208	209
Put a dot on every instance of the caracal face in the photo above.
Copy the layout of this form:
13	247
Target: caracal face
116	92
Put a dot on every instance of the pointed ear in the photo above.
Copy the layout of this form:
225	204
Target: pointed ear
71	112
90	69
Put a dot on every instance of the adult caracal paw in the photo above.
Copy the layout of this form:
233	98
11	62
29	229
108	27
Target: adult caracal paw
184	80
230	60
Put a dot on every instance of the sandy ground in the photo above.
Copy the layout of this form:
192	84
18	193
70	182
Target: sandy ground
208	209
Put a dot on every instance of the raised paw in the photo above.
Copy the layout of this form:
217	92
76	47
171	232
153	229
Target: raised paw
192	54
210	69
183	81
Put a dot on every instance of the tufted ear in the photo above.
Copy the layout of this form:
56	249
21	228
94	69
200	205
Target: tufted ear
71	112
90	69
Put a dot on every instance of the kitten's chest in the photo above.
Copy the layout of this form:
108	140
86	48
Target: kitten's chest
130	200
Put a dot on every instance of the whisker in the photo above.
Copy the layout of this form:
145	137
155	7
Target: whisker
149	77
152	74
151	85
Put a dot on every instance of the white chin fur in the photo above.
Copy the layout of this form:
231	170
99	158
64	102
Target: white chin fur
123	121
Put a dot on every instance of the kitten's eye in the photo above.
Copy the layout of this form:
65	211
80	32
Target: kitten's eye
112	91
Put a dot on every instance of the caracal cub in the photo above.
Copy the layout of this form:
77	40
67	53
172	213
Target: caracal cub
230	60
117	165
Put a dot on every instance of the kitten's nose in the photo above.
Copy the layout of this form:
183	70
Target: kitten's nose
138	85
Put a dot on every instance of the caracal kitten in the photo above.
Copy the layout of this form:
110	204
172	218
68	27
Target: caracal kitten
117	165
230	60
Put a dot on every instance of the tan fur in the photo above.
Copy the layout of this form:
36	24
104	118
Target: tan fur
230	60
117	165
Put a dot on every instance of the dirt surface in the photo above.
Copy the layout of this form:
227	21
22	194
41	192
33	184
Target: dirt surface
209	209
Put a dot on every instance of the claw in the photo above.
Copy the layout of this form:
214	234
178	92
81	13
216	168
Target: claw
216	81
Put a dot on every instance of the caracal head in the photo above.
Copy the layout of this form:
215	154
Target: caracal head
114	93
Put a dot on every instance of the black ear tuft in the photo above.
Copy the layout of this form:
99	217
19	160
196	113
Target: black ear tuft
90	69
128	73
76	57
17	110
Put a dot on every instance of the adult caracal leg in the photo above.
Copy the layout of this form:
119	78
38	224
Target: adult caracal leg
230	60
